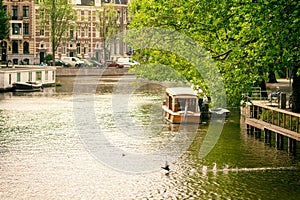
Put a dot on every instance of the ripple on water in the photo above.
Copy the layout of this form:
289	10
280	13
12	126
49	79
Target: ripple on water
42	156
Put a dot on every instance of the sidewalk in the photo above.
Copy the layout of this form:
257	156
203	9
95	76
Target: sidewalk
285	85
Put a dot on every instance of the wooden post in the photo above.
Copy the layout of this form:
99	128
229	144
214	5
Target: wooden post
284	120
279	141
282	101
257	133
248	129
297	125
251	130
266	135
292	146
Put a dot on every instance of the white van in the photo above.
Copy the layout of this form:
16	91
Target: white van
73	61
127	62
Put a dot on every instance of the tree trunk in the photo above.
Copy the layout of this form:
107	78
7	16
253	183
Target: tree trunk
263	88
296	91
53	32
272	77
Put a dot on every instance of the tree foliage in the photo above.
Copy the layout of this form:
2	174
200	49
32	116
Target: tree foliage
108	25
4	25
246	39
58	14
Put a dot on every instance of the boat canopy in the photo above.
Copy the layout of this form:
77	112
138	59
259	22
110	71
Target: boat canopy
181	91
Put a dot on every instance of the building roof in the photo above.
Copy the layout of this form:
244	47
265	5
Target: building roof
181	91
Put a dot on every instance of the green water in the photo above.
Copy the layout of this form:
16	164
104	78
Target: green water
43	154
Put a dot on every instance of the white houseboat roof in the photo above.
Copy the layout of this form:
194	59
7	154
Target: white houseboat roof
181	91
22	69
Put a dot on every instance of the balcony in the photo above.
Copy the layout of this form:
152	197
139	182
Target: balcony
16	37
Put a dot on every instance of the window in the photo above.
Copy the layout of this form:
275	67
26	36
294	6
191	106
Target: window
85	49
30	76
78	48
15	47
46	75
15	12
16	28
42	14
15	61
42	32
38	76
26	61
86	31
78	34
26	29
86	15
71	33
9	79
18	77
25	11
26	48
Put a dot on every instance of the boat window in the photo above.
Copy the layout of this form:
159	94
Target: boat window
29	76
53	75
181	104
46	75
18	77
169	103
9	78
38	76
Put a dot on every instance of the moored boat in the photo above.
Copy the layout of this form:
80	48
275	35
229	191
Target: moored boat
181	105
27	86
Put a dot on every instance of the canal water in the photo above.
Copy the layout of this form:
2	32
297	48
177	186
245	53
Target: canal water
87	141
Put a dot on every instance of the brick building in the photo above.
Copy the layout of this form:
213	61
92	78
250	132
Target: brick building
29	43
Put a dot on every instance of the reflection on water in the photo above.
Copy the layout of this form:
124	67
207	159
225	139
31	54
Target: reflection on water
42	155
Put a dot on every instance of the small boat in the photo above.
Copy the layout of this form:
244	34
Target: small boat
220	112
181	106
27	86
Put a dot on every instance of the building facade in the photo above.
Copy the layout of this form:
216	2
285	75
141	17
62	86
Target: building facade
29	42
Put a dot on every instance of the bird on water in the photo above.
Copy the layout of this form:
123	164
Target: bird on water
166	167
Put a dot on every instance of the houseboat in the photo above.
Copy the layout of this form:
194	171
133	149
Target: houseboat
181	105
27	86
26	77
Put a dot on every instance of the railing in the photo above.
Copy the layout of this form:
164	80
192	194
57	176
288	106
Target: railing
278	117
256	94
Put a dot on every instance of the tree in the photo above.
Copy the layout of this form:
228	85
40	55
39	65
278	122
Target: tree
58	14
108	26
246	39
4	25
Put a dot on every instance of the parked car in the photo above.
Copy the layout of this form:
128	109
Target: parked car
111	63
62	63
87	63
73	61
127	62
96	63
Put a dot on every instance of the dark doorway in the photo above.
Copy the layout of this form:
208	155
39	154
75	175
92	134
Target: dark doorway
3	47
42	56
15	47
